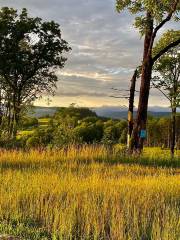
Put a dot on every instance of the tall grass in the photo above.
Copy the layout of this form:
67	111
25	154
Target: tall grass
89	193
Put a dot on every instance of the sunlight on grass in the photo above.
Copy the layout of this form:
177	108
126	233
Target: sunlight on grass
89	193
24	133
43	121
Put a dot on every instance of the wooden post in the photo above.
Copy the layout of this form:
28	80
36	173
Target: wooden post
131	108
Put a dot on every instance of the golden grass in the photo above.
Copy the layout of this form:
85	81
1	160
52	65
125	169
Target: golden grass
43	121
89	193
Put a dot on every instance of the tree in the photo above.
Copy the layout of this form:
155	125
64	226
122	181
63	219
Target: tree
30	53
167	80
152	15
153	136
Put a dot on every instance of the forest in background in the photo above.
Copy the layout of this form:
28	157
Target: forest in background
75	125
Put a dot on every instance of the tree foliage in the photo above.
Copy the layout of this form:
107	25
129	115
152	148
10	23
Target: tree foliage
158	10
167	75
30	53
167	80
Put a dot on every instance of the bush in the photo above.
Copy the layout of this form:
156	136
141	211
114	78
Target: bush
32	142
28	122
40	137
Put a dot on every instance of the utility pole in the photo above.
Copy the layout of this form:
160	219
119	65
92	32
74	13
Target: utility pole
131	109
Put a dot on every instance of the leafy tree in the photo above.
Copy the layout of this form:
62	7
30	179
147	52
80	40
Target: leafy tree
123	137
28	122
62	136
30	53
40	138
121	125
110	135
164	128
151	16
154	132
88	132
167	80
63	130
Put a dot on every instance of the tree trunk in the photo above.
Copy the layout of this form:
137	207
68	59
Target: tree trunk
143	104
1	108
15	116
139	131
131	109
173	131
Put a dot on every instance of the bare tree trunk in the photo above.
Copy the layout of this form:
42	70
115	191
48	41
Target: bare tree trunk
131	109
1	110
15	117
173	131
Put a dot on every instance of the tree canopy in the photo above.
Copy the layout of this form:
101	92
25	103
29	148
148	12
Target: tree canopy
31	51
161	11
167	72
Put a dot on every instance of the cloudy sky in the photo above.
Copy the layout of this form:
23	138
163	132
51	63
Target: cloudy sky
105	50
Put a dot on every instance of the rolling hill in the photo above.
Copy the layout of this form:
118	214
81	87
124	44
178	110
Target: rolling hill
104	111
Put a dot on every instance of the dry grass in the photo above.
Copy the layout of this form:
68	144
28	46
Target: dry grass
89	193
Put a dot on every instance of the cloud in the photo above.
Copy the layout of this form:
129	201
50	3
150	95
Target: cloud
105	47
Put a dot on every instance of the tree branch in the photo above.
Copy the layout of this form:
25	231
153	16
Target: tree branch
168	18
160	90
164	50
164	21
126	97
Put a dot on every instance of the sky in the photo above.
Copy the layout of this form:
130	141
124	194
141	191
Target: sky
106	49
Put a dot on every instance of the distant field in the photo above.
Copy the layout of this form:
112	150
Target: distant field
90	193
43	122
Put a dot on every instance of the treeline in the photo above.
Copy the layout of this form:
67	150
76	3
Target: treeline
81	125
75	126
159	131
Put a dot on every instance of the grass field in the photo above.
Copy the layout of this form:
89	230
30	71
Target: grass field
43	122
89	193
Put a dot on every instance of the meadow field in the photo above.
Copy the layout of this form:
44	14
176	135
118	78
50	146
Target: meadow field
90	192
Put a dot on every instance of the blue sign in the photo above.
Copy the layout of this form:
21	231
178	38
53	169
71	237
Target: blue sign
143	133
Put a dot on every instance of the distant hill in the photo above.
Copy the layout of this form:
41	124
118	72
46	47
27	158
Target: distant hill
42	111
123	114
118	113
109	112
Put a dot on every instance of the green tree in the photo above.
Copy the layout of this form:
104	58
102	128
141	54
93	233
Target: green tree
30	53
88	132
123	137
28	122
40	137
151	16
167	80
154	133
113	131
164	128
